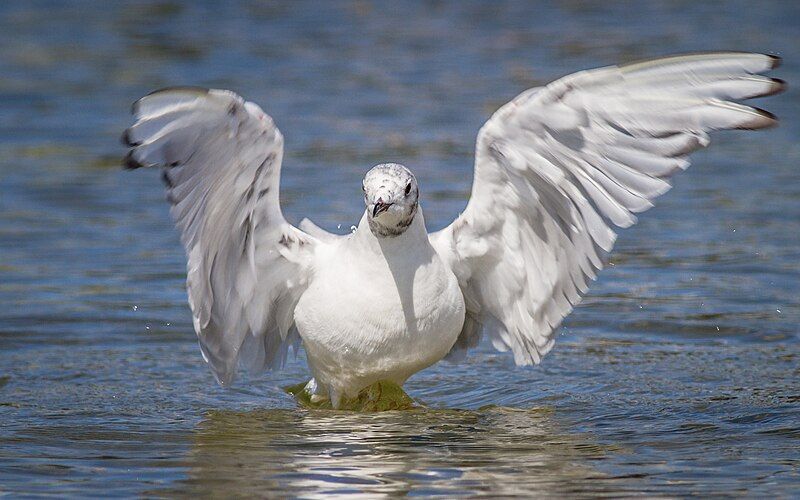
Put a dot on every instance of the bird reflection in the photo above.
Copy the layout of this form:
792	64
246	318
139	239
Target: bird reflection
494	450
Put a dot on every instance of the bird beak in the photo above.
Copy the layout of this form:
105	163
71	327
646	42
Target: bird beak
380	207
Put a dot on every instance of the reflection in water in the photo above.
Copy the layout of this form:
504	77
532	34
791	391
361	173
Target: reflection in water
494	450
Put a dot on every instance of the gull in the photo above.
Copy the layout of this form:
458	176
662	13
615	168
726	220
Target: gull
557	170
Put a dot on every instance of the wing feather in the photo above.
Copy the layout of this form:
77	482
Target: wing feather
558	167
247	267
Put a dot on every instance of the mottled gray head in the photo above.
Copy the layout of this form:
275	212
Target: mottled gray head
391	195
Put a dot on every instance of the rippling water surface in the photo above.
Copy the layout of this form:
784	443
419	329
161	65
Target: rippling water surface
680	373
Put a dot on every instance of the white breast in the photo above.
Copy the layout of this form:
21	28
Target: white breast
378	310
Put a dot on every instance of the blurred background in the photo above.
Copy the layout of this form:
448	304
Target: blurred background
678	375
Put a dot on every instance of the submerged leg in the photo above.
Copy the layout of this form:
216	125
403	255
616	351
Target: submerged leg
317	393
380	396
309	394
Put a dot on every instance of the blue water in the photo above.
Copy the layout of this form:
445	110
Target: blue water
679	375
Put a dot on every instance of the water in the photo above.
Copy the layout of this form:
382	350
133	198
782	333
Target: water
677	376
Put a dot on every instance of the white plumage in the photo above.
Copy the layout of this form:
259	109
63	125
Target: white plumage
555	170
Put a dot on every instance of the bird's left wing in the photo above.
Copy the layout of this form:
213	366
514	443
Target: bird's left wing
247	267
558	167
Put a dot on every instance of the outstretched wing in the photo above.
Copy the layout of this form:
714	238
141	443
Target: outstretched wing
314	230
558	167
247	267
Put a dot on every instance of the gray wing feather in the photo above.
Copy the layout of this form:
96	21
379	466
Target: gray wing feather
558	167
247	267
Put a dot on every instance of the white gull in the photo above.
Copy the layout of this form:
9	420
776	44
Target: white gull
556	169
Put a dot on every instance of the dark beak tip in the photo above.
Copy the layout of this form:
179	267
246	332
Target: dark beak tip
380	207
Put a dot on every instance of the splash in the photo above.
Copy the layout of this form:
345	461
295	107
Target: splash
380	396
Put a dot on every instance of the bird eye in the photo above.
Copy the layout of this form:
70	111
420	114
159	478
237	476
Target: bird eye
408	189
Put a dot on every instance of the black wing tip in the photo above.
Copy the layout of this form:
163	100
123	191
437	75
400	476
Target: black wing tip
175	88
776	61
131	163
765	120
766	114
165	178
127	140
780	85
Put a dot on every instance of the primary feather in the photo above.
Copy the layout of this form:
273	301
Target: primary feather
221	160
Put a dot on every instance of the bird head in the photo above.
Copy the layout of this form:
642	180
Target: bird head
391	196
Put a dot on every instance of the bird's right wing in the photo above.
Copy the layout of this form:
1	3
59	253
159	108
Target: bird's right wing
558	167
247	267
